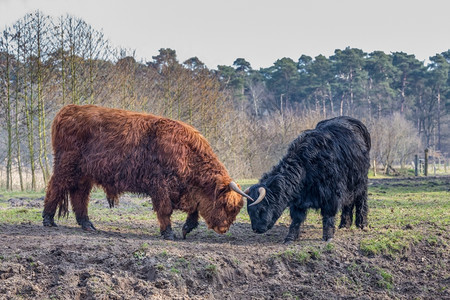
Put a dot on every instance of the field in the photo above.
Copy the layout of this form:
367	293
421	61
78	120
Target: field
404	254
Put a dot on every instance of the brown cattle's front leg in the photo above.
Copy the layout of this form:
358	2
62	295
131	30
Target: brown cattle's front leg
163	208
79	197
191	223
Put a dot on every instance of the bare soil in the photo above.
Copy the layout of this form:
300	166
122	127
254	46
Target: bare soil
130	261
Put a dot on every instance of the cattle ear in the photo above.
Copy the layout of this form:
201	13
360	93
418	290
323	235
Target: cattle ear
221	187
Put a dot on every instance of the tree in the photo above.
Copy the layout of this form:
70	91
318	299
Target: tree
380	75
406	64
5	73
439	68
321	78
282	79
348	67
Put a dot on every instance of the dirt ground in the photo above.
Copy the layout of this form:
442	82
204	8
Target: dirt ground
130	261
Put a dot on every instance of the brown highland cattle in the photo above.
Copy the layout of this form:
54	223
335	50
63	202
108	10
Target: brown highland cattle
125	151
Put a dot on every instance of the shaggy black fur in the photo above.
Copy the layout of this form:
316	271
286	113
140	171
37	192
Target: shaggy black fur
325	168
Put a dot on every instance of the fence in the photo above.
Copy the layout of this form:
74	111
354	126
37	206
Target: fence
437	162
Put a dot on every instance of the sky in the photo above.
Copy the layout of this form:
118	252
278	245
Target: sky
261	31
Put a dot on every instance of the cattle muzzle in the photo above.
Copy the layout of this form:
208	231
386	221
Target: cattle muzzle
221	229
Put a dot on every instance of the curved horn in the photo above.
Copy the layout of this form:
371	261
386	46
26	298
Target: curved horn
235	188
262	194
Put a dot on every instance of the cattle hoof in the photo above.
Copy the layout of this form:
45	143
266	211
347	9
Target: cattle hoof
168	234
288	241
88	226
327	239
48	221
169	237
188	227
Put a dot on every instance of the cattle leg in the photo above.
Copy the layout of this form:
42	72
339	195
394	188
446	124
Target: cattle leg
297	216
191	223
328	220
58	187
79	197
362	209
55	194
163	208
347	216
112	195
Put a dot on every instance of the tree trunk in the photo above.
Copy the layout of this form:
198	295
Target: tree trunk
439	119
8	121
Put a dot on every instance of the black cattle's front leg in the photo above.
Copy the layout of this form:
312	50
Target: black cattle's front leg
297	216
347	216
191	223
328	227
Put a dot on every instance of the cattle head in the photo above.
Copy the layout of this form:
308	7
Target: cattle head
267	208
228	202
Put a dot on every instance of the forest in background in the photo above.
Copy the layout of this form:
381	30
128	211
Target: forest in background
249	116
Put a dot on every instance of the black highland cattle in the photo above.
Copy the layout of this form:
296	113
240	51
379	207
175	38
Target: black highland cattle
325	168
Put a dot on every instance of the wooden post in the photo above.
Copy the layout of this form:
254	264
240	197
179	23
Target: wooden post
416	165
425	171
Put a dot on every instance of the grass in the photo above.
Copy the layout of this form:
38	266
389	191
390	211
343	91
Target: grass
302	255
211	269
386	281
392	242
397	209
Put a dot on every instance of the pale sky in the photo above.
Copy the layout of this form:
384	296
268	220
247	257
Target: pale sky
261	31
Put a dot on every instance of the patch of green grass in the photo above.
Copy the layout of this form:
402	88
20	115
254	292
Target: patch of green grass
300	256
19	194
432	240
329	247
182	262
392	242
147	204
409	203
144	246
139	254
211	269
18	215
386	280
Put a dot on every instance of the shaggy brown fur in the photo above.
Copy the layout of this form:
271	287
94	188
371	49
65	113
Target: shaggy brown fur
125	151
